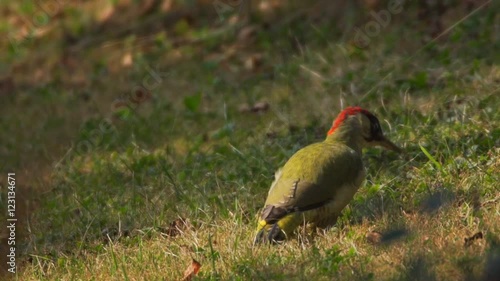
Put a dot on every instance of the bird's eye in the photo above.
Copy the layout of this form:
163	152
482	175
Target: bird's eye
375	130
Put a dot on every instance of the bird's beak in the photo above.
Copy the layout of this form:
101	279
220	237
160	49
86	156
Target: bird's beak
385	143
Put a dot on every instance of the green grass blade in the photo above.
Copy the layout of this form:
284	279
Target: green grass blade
432	159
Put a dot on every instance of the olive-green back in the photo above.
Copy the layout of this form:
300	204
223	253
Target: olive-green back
314	174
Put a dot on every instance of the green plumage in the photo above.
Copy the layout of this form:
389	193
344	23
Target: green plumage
318	169
313	187
319	180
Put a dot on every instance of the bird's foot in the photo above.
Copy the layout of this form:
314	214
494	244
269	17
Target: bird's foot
274	235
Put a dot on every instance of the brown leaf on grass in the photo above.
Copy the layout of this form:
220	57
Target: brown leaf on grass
252	62
191	271
176	227
127	59
247	34
167	6
260	107
105	13
256	108
469	240
374	237
140	95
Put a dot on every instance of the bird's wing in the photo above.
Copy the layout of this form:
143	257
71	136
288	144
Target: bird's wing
311	178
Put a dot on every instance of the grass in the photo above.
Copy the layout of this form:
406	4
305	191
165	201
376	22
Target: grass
131	184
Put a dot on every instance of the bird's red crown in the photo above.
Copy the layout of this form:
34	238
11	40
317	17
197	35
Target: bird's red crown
352	110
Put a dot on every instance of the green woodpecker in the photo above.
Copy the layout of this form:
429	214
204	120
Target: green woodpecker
319	180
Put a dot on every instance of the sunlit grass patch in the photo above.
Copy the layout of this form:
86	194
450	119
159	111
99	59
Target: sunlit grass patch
139	190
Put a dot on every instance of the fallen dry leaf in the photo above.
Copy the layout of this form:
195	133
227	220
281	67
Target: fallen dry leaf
260	107
105	13
127	59
256	108
374	237
247	33
167	5
191	271
140	95
253	62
